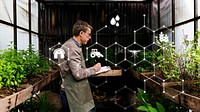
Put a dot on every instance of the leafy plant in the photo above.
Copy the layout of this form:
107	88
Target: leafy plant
38	103
182	64
34	63
42	104
155	102
147	103
144	65
169	61
16	65
11	68
191	57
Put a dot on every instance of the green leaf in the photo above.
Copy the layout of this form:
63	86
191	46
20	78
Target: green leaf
143	108
152	109
12	83
160	107
1	86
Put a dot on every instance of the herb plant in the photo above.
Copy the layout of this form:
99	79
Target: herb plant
180	64
16	65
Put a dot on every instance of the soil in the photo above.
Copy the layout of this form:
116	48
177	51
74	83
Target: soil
191	86
192	89
5	91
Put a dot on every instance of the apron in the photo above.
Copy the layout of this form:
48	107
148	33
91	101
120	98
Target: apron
78	92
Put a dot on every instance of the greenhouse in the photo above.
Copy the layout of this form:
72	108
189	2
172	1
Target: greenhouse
99	56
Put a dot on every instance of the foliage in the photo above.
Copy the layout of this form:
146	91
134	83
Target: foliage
34	62
169	60
191	57
41	103
182	64
11	68
16	65
147	103
144	65
38	103
155	102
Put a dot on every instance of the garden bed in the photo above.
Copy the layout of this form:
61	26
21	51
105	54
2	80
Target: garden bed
9	98
189	96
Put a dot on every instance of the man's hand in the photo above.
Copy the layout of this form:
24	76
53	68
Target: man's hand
97	67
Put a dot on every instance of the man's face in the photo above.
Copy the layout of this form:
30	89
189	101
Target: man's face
86	36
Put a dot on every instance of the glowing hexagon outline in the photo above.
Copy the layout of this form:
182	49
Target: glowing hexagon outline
134	43
120	14
125	87
182	88
154	64
96	43
50	51
116	43
99	85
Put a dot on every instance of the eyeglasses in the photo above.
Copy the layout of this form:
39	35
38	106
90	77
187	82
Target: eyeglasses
89	34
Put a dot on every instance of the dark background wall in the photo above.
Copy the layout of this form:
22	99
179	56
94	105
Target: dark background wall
57	20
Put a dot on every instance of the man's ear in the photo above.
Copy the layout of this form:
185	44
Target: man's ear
81	33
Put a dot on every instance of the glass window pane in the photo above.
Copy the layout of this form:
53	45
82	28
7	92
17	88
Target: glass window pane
6	10
184	10
22	39
6	36
198	7
199	29
22	13
34	16
186	30
166	12
35	42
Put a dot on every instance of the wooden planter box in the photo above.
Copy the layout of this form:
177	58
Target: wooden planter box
15	99
186	100
8	102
